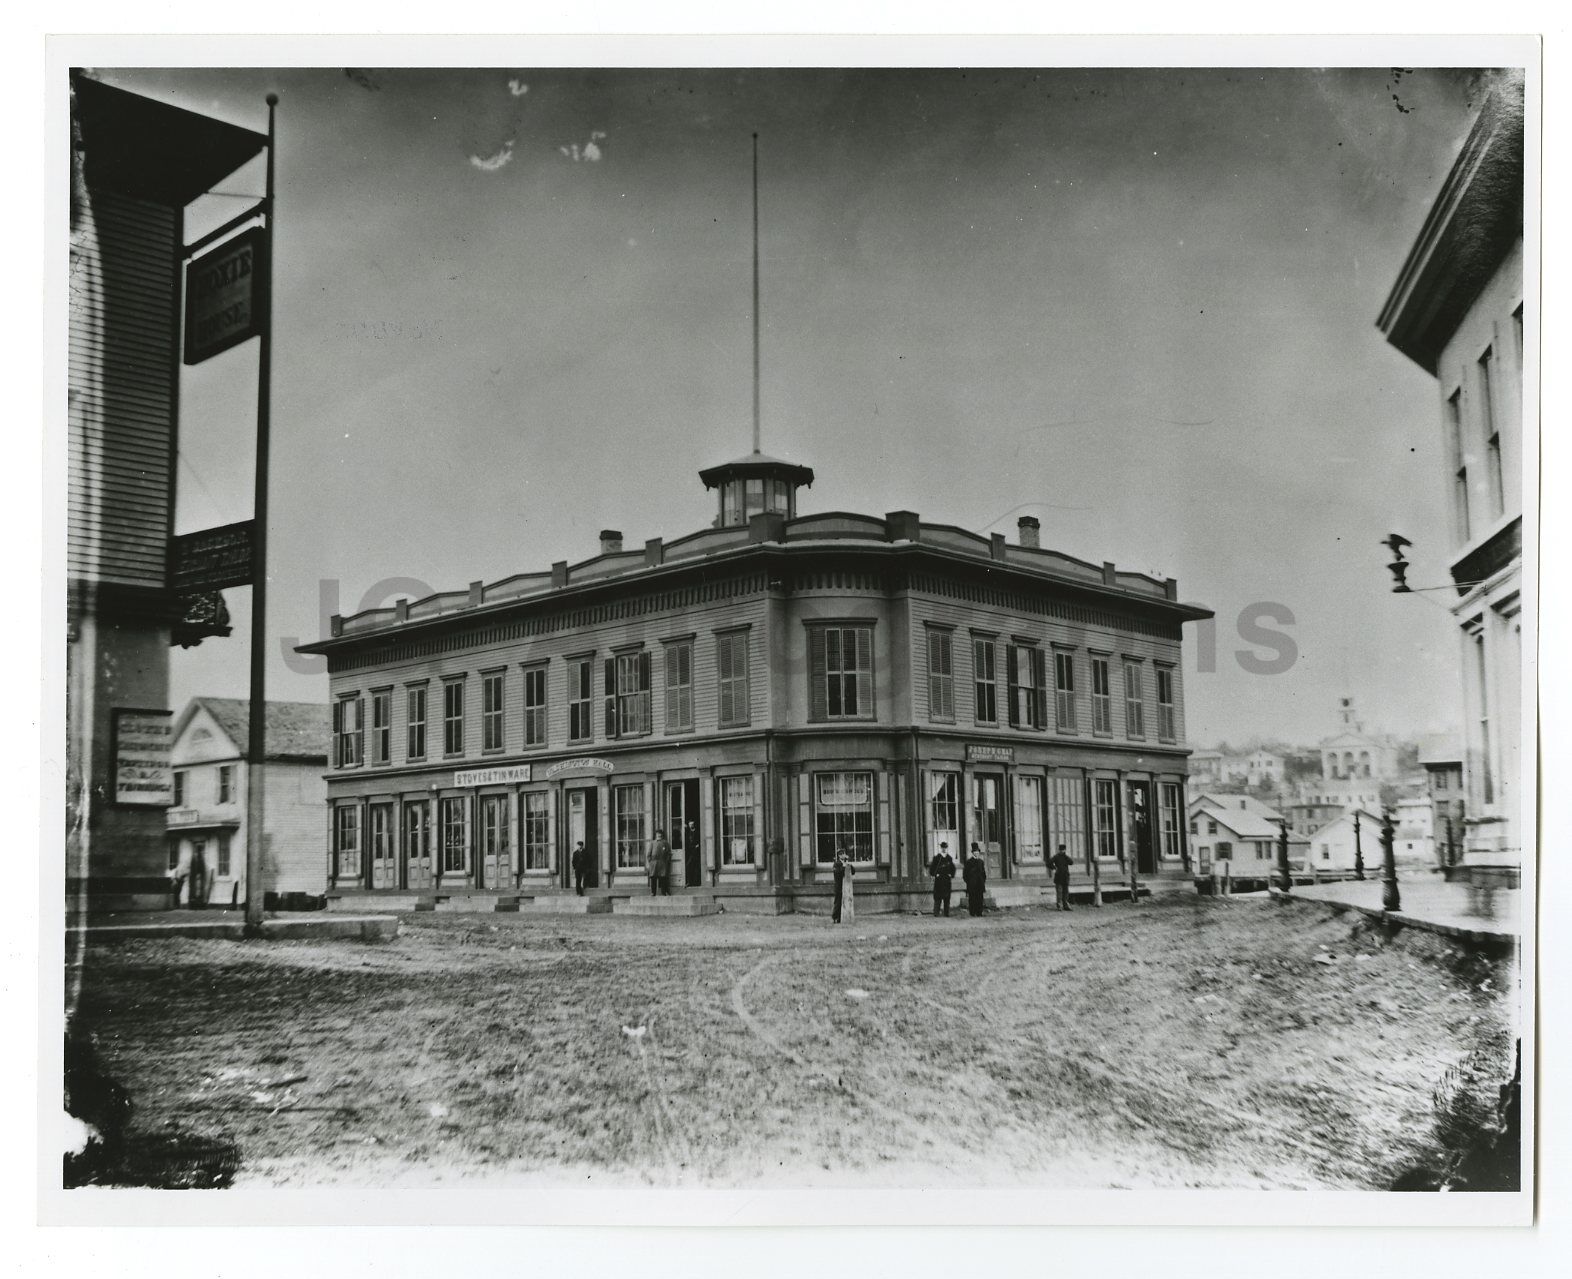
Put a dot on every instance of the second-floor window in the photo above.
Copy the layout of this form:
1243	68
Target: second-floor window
1028	691
581	724
731	672
941	675
535	706
1102	697
1134	700
226	783
382	726
1064	690
453	717
492	729
1166	719
348	726
679	686
1490	428
1458	461
986	680
627	694
180	789
841	671
415	743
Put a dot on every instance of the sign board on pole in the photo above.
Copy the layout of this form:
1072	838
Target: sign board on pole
141	742
212	559
224	296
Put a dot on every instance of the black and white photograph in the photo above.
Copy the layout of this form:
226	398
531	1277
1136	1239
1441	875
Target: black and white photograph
615	606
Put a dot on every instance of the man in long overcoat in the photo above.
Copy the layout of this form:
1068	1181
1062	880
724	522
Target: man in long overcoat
660	866
942	868
580	867
1060	862
840	884
975	873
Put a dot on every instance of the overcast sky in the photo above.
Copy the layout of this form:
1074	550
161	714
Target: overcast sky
512	308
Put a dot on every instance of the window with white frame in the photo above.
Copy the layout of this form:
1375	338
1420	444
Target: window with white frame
453	716
1064	689
679	686
225	865
1134	699
1102	697
415	738
494	843
1067	815
628	694
536	824
1167	720
1028	686
348	726
985	680
627	815
1029	819
453	831
843	816
346	839
493	734
1171	833
731	673
581	722
736	814
1105	816
535	705
180	788
226	783
840	660
382	726
944	807
941	675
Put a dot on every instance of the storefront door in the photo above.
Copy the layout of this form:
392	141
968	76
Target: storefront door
384	865
988	820
417	843
496	849
682	829
1141	826
581	826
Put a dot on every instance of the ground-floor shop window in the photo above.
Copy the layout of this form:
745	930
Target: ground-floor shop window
843	816
1105	816
536	824
627	807
736	810
1029	819
346	839
1067	820
223	854
452	821
1168	817
944	809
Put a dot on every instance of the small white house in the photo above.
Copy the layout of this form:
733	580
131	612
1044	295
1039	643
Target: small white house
207	823
1237	830
1333	846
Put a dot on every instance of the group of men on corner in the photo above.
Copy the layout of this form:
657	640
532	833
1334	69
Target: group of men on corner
974	872
657	866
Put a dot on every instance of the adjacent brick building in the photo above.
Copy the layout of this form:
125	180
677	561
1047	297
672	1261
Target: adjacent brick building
765	690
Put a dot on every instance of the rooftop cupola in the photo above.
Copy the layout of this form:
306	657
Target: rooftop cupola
755	483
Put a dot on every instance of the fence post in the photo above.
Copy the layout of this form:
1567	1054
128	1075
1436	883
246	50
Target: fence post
1097	883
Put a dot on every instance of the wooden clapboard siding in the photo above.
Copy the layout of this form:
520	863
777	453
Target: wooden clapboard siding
121	390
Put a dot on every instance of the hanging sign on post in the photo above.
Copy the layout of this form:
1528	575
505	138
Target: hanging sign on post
224	296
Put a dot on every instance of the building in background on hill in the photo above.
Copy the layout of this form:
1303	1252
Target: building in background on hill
136	165
1456	310
207	824
766	691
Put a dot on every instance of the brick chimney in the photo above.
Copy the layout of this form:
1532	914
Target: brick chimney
610	541
1029	526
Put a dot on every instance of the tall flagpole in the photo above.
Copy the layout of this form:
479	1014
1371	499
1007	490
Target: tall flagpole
755	292
256	747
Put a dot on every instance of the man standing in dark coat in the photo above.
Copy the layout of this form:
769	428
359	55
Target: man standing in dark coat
1061	879
942	868
975	873
660	866
580	867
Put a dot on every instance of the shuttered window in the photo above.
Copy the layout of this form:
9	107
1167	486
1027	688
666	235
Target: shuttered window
416	737
731	666
492	727
1134	700
348	730
627	689
679	686
1064	690
840	672
1166	720
382	726
986	680
941	675
1028	686
1102	698
535	706
581	723
453	717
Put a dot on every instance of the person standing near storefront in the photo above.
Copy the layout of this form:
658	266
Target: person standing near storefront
841	866
942	868
580	867
1061	879
660	866
975	873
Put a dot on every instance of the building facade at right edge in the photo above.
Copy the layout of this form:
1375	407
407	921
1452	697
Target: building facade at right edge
1457	311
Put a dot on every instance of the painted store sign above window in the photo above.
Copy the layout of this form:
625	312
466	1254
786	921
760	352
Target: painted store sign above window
580	762
492	776
988	751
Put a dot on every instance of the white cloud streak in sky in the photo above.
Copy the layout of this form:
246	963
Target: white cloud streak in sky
517	88
491	163
589	151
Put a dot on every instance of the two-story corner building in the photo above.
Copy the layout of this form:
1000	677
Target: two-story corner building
1457	311
135	166
1442	759
207	823
765	691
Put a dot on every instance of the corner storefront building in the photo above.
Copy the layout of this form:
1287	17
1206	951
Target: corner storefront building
765	691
